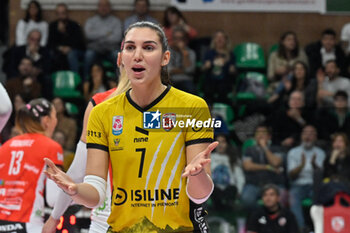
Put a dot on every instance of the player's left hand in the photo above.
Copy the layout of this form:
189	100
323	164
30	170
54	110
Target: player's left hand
197	164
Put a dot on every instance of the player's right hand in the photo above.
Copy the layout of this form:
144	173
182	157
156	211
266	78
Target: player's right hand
60	178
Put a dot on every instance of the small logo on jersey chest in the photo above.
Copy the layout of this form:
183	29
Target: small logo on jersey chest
116	141
117	125
169	121
151	120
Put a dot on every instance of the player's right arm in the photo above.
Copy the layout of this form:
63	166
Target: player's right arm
90	193
76	171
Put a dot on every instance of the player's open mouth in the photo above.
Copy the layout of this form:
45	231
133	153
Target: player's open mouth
138	69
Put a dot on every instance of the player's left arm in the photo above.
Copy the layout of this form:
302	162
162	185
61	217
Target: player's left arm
199	183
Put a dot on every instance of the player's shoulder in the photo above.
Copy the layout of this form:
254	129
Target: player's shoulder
48	142
100	97
186	99
105	105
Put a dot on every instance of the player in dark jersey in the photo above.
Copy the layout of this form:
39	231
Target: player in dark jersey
21	168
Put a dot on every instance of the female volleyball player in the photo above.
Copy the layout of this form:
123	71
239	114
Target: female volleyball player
76	171
161	174
5	107
22	165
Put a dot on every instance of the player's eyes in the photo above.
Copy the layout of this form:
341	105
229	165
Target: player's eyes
129	47
149	48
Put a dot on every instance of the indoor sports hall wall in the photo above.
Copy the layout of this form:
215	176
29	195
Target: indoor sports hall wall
263	28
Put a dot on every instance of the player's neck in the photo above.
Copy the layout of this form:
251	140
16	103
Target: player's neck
145	95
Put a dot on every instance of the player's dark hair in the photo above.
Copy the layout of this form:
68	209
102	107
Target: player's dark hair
164	41
28	117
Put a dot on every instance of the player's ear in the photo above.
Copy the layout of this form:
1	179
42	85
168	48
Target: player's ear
166	58
119	60
45	122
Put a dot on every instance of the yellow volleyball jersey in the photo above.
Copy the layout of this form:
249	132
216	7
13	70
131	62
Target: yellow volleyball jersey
147	149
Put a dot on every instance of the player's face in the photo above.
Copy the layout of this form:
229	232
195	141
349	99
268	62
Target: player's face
270	198
142	56
51	122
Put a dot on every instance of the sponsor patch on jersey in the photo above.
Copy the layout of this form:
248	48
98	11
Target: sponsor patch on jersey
116	141
169	121
151	120
117	125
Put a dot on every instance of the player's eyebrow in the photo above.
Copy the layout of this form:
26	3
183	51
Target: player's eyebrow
145	42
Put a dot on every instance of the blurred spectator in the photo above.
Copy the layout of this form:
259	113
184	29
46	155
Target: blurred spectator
182	63
173	18
60	137
337	164
262	164
281	62
26	82
97	81
104	33
65	124
324	50
227	174
345	38
334	119
66	40
301	162
141	10
33	20
271	217
329	83
219	69
288	123
40	56
19	100
297	80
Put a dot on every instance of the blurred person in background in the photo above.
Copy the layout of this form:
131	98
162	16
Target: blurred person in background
334	119
262	164
271	217
219	69
66	124
97	83
227	174
32	20
182	63
173	18
103	33
282	61
302	161
66	41
329	82
141	13
26	82
320	52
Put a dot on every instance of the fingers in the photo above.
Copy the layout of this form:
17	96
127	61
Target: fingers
191	170
51	165
211	147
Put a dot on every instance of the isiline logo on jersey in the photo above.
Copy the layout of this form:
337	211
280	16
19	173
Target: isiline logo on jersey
151	120
117	125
